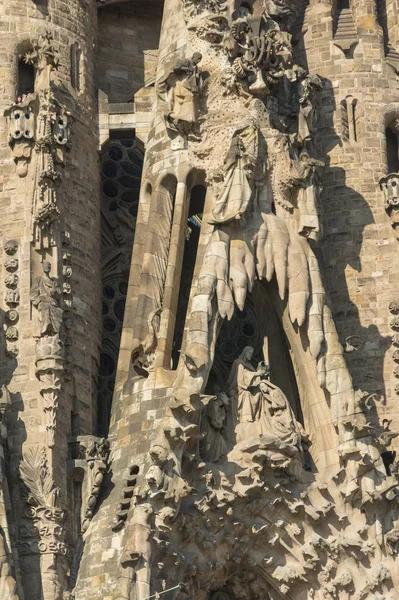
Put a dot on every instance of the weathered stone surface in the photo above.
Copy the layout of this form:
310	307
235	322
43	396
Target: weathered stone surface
242	224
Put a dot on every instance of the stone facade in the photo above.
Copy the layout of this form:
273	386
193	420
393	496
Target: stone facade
199	278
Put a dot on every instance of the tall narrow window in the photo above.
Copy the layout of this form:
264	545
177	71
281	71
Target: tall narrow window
121	168
76	67
348	115
392	150
26	79
193	229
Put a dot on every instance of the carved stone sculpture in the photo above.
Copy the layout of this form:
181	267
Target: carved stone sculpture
213	448
97	457
389	186
181	90
22	129
44	58
45	296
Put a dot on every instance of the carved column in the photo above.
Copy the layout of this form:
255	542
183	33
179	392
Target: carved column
173	274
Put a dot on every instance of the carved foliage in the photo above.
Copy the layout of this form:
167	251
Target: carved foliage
46	533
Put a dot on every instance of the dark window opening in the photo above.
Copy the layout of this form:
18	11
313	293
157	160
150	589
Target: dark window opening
76	66
388	458
121	168
75	485
343	4
193	230
26	79
392	151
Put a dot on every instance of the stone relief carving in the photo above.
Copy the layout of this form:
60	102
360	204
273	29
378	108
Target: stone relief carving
244	515
45	296
44	58
44	529
195	7
389	186
22	127
213	448
12	298
181	90
97	453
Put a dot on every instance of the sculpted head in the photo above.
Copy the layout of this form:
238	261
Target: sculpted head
196	58
46	267
159	453
247	353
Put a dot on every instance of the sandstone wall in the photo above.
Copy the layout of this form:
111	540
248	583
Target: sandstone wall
126	36
359	247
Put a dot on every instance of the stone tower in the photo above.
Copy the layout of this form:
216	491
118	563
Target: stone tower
235	438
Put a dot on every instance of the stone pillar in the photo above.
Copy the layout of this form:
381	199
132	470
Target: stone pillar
50	208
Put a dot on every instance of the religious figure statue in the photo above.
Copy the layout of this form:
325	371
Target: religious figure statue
309	87
181	89
277	418
44	58
213	448
242	388
45	294
237	192
259	409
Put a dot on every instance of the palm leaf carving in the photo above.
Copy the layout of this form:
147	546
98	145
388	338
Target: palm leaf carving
37	477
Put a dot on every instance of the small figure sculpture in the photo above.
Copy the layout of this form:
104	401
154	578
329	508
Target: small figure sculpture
309	87
259	409
45	59
237	193
277	417
213	447
45	294
389	185
242	388
183	86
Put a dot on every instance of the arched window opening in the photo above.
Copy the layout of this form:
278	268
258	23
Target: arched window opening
193	230
26	80
76	66
392	150
121	169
